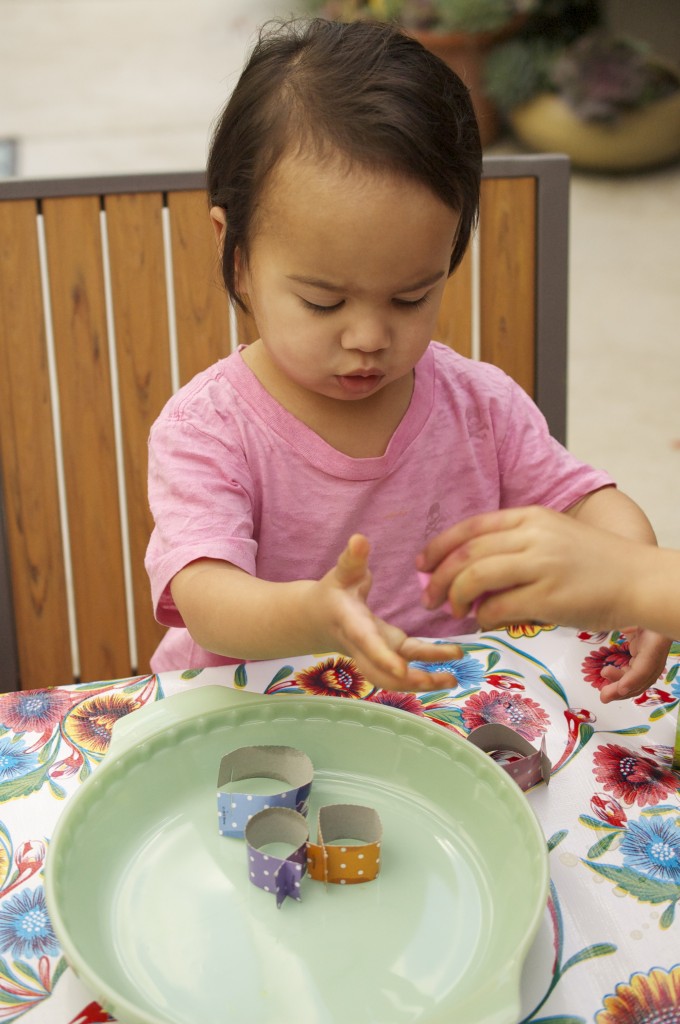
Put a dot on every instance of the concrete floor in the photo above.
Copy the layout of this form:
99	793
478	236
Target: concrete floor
107	86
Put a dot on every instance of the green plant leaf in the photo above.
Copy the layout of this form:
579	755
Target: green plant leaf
659	712
673	673
589	953
644	889
556	839
283	673
191	673
668	916
595	823
553	685
24	784
452	716
632	730
493	659
603	844
555	1020
240	676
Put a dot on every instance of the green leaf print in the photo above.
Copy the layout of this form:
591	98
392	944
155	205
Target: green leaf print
603	844
646	890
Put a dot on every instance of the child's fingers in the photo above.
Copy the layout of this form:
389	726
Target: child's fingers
352	564
462	533
419	650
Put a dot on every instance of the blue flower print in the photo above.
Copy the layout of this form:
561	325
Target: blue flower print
15	760
652	846
675	687
468	672
25	928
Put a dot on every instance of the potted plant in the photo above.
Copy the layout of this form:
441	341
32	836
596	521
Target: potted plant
461	32
611	104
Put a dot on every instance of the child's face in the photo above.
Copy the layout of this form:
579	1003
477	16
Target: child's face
345	275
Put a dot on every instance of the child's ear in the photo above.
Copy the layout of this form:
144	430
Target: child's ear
218	218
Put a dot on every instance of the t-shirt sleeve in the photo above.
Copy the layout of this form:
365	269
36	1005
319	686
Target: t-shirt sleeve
200	494
535	469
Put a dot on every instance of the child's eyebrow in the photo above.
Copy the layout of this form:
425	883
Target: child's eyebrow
329	286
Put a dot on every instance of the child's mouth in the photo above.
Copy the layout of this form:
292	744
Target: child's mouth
359	383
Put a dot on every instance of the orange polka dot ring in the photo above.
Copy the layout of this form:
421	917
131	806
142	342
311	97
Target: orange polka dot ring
349	836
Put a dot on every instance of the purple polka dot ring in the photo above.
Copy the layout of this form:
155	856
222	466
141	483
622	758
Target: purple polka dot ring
283	764
530	767
278	875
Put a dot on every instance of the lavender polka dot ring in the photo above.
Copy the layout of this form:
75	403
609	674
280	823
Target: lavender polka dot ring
359	860
532	765
278	875
283	764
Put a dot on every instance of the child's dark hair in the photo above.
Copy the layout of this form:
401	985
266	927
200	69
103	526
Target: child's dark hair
364	90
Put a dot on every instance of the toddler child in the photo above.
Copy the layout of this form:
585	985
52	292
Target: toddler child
343	180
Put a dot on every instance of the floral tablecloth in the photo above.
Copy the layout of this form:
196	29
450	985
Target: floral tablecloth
608	950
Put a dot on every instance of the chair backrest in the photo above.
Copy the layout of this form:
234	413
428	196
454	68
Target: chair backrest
110	298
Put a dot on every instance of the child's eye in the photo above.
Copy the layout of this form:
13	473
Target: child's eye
315	308
412	303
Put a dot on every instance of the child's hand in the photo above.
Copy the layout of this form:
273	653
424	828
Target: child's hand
528	564
381	651
649	653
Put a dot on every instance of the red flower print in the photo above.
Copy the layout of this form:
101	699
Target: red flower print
608	810
395	699
504	682
92	1014
653	697
631	777
587	638
334	677
36	711
522	714
617	655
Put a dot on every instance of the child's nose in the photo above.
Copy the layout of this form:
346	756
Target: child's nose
368	334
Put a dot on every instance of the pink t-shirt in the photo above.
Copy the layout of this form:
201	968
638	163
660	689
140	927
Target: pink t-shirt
234	476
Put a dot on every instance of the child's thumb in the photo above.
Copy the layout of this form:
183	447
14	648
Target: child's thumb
353	562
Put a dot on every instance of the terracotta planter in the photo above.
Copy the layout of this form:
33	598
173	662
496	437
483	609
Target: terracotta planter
466	53
643	138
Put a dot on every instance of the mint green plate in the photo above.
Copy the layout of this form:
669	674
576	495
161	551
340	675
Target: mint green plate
156	915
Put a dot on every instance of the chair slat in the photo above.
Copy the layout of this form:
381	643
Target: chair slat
507	230
454	324
27	447
74	258
201	306
139	296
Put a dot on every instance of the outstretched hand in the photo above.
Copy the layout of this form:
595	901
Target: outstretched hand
381	651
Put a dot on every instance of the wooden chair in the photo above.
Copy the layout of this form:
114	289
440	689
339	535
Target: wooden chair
110	298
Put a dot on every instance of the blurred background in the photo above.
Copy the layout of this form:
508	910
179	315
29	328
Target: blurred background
91	87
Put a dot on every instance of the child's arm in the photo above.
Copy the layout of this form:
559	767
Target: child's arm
531	563
612	510
230	612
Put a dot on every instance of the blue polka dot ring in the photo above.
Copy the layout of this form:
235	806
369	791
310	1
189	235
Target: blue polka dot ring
248	769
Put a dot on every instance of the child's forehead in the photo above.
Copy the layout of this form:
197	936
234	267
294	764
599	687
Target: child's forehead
347	223
334	175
